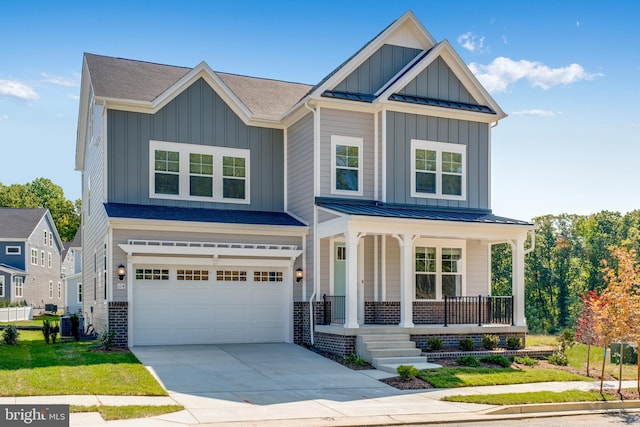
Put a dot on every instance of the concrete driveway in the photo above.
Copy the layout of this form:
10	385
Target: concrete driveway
241	383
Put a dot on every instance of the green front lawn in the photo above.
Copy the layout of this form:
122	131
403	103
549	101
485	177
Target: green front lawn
468	377
35	322
109	413
532	397
33	368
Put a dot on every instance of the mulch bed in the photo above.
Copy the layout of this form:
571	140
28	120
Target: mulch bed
412	384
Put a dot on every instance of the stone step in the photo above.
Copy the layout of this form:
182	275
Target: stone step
398	361
395	352
372	345
382	337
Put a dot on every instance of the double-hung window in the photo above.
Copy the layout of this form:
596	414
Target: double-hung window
34	256
346	165
50	289
438	170
198	172
439	269
18	286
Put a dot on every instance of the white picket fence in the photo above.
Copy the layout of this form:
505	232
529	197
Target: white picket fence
12	314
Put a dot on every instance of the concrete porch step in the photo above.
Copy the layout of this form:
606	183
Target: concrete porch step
382	337
398	361
394	352
373	345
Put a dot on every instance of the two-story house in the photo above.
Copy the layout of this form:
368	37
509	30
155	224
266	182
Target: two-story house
72	273
224	208
30	252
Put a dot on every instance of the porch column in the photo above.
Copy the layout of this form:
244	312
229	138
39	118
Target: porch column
351	287
406	281
517	281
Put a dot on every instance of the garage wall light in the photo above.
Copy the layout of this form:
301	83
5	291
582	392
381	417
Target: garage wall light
299	274
121	272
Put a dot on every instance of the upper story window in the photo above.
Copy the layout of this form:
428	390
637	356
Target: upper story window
439	270
42	258
50	239
346	165
44	238
49	260
34	256
438	170
13	250
198	172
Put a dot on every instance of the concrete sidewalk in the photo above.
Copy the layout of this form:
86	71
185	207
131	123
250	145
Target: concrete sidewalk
349	408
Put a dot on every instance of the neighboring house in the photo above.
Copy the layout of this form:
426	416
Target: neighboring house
72	274
30	253
230	203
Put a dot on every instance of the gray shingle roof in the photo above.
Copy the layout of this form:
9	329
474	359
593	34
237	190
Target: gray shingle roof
133	80
19	223
75	243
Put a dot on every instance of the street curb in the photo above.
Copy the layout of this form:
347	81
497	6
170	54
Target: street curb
564	407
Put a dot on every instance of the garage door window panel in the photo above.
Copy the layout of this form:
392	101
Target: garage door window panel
267	276
231	276
152	274
190	275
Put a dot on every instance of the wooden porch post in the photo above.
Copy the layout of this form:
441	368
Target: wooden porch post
351	287
517	281
406	281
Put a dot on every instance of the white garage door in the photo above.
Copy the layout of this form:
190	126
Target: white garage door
192	305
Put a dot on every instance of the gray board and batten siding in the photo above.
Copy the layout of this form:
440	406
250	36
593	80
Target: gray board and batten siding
437	81
378	69
402	128
196	116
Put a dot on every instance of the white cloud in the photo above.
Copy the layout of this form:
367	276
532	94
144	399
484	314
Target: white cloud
577	23
534	112
16	89
471	41
502	72
505	40
3	117
62	81
74	97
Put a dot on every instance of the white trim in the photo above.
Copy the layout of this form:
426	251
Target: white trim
285	171
19	252
156	247
217	177
376	148
384	155
439	148
2	291
16	280
348	141
34	250
440	244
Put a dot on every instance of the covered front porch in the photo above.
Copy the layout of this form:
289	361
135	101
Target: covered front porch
421	269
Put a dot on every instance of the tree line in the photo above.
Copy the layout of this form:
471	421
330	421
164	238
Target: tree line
569	260
43	193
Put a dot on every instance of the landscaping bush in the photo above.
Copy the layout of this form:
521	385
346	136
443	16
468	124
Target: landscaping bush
490	342
107	338
407	372
558	358
434	343
470	361
466	344
10	335
75	326
526	361
46	330
513	343
354	359
496	359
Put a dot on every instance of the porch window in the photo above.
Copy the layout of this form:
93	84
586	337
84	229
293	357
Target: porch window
18	286
438	271
346	165
438	170
198	172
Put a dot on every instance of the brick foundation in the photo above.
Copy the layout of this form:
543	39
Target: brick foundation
119	322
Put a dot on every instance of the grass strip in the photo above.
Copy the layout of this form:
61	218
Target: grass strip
532	397
469	377
110	413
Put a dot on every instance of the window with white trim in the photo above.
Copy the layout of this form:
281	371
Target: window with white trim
18	286
79	293
59	290
49	260
50	289
189	275
1	286
267	276
42	258
198	172
44	237
34	256
438	170
439	270
341	253
14	250
50	239
346	165
152	274
231	276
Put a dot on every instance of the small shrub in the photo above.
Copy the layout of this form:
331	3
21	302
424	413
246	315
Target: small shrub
75	326
513	343
46	330
10	335
107	338
497	359
470	361
466	344
354	359
558	358
526	361
566	339
407	372
490	342
434	343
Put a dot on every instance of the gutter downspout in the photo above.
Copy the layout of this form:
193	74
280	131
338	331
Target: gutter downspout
533	242
315	228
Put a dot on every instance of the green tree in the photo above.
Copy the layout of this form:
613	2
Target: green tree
501	271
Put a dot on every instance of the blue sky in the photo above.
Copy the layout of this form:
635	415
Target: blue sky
566	72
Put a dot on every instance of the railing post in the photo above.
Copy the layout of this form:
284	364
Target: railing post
513	322
490	301
479	305
446	311
324	309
